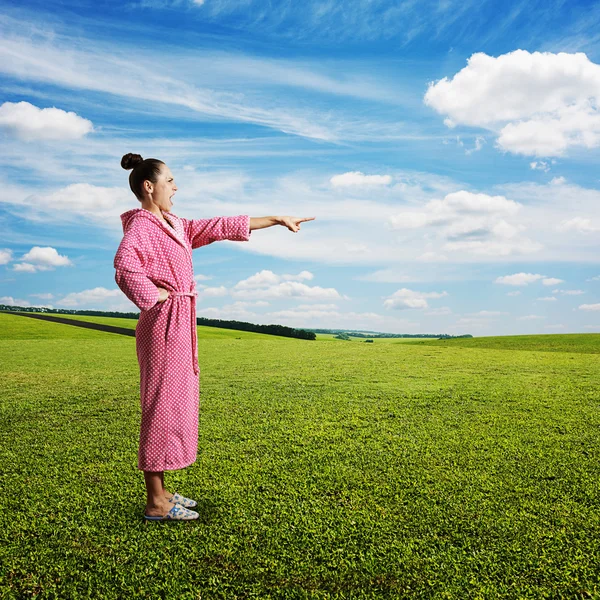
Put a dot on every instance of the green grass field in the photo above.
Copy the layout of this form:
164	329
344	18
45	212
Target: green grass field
325	470
587	343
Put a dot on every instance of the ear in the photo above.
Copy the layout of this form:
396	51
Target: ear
148	186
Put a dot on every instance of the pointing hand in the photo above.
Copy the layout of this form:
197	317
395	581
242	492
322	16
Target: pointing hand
293	223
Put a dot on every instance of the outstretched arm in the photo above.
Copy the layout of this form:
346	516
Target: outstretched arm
292	223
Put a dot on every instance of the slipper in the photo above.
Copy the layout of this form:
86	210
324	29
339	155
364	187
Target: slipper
177	513
179	499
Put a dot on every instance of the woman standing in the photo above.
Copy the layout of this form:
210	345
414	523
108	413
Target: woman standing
153	267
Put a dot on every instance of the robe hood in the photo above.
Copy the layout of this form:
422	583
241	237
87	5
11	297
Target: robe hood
128	217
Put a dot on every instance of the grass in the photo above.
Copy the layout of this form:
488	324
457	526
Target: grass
324	471
585	343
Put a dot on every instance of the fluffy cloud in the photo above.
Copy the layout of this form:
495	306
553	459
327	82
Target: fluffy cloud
94	298
590	307
354	178
405	299
470	222
74	203
579	224
29	123
212	292
526	278
569	292
41	259
10	301
439	312
267	278
547	299
540	166
5	256
550	108
267	284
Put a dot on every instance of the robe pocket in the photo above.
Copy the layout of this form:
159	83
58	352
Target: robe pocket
168	325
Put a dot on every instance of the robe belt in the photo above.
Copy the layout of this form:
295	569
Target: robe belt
194	323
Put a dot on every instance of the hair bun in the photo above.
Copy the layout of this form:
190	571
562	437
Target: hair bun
130	161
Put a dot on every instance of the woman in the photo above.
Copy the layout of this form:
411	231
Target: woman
153	267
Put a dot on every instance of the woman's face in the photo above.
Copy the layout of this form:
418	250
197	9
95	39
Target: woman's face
163	190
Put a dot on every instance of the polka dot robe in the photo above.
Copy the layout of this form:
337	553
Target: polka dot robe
153	254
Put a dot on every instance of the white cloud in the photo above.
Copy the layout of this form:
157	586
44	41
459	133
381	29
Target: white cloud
5	256
77	202
439	312
93	298
519	279
456	205
517	293
45	296
547	299
268	278
212	292
27	268
488	313
479	141
432	257
558	181
579	224
267	284
569	292
540	166
596	278
551	106
551	281
354	178
30	123
407	299
200	277
494	248
10	301
591	307
531	318
41	259
471	222
191	82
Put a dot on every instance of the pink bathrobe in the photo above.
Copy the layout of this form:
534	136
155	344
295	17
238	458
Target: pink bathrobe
154	254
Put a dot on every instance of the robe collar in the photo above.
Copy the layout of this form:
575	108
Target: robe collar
176	232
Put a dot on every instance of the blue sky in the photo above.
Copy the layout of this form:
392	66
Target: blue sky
448	151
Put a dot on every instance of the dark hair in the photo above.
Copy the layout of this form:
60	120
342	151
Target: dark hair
142	170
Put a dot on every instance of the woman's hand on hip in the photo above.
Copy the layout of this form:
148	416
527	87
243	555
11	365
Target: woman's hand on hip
162	294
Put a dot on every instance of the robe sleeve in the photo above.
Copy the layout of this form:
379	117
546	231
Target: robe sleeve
201	232
131	277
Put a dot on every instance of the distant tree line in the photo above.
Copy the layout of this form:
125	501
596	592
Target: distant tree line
280	330
270	329
348	333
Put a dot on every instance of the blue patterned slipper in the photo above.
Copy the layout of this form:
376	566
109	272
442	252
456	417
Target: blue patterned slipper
179	499
177	513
